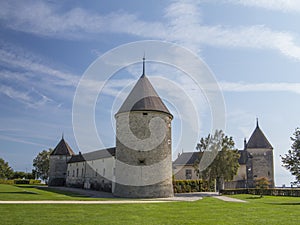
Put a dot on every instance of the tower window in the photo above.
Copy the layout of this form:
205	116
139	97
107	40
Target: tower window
142	161
145	114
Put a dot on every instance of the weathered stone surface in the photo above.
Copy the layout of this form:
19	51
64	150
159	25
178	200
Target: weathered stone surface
143	155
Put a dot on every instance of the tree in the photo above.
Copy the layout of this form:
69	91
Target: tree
291	160
6	171
21	175
41	164
262	183
220	151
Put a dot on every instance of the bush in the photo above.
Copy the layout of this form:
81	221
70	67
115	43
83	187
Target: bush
2	181
185	186
21	181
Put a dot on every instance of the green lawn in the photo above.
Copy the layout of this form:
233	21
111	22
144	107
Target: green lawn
266	210
31	192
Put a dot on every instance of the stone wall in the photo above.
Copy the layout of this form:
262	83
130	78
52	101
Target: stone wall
58	170
143	159
262	164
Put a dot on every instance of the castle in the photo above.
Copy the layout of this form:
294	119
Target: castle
140	165
256	161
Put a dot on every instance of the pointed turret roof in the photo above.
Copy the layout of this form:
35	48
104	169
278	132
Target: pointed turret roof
143	97
62	148
258	139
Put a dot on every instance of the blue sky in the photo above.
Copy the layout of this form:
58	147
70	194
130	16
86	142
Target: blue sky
252	47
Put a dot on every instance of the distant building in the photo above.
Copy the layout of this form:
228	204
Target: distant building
58	163
256	160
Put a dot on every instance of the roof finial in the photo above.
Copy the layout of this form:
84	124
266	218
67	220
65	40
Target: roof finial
257	122
144	65
62	135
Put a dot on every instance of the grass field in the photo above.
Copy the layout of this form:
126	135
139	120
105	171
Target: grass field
266	210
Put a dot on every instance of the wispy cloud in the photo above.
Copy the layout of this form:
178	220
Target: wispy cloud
260	87
27	78
177	26
20	140
279	5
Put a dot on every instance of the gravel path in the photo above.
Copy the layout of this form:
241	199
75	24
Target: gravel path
228	199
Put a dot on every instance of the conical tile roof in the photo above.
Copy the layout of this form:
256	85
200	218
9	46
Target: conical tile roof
258	139
143	97
62	148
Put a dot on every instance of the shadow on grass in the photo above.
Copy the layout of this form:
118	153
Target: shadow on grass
254	197
19	192
66	193
285	203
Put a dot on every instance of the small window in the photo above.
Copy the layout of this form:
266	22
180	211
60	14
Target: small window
188	174
68	173
73	173
145	114
96	172
77	171
269	173
142	161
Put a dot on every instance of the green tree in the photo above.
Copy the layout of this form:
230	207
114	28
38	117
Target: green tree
41	164
291	160
6	171
262	183
220	152
21	175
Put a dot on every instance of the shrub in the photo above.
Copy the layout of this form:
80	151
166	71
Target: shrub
2	181
184	186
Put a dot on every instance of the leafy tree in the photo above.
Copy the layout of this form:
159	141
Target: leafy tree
220	151
6	171
261	183
21	175
291	160
41	164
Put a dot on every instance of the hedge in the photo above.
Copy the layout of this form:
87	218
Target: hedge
20	181
270	191
2	181
184	186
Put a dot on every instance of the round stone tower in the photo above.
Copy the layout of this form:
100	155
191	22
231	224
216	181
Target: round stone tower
143	144
58	163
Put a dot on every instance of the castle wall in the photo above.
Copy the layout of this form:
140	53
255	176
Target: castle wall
185	172
58	170
144	162
95	174
262	164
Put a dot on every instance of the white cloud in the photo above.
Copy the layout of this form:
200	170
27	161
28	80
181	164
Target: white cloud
177	26
260	87
17	58
280	5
